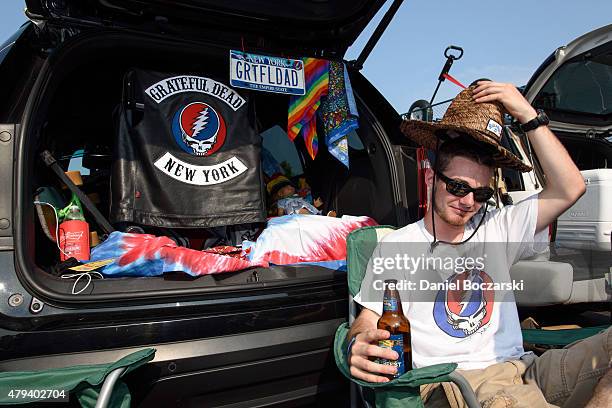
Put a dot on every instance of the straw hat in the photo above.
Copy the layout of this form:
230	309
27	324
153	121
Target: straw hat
481	121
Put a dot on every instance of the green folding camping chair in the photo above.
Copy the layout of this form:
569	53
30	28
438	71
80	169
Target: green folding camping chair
561	337
403	391
96	386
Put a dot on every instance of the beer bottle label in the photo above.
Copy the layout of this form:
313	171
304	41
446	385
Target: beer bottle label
395	342
390	305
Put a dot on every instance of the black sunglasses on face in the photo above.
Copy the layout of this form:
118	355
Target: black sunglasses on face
461	189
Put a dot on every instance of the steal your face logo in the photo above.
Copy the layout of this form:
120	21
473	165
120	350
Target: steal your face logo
198	129
461	313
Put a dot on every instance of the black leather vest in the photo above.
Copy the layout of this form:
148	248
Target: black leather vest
191	158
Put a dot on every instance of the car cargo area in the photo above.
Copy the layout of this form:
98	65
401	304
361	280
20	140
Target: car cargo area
75	118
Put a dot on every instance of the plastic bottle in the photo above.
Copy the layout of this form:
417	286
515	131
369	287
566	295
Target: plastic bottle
74	232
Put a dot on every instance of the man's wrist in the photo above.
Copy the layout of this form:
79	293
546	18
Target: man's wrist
527	116
540	120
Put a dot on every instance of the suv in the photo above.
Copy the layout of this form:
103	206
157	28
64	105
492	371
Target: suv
258	337
573	87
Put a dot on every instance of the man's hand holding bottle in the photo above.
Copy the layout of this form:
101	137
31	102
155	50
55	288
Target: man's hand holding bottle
365	351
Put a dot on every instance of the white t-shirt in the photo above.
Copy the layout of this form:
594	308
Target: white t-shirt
468	326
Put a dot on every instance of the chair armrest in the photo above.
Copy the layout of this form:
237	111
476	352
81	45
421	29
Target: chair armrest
108	386
466	389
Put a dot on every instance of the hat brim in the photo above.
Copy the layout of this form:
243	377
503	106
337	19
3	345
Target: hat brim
427	134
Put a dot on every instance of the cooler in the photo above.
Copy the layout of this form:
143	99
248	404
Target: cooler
588	223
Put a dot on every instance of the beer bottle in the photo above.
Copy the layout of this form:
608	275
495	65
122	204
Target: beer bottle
394	321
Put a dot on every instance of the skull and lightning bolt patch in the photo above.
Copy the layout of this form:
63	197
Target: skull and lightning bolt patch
461	313
198	129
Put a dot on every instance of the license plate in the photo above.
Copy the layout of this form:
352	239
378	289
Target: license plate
266	73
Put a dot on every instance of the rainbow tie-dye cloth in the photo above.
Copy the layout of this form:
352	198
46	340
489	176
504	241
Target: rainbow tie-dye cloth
303	109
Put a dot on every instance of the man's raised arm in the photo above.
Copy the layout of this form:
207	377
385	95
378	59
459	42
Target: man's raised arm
564	183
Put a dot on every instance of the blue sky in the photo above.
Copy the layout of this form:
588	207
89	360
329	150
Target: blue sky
505	41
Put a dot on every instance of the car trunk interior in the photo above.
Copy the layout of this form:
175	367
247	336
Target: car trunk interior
76	111
587	152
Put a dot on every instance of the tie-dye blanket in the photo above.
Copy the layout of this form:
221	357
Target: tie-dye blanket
286	240
148	255
297	238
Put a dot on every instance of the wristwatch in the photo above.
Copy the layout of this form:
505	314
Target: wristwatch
540	120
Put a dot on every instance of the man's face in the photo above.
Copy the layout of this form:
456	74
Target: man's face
455	210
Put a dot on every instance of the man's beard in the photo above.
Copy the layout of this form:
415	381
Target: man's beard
455	221
445	218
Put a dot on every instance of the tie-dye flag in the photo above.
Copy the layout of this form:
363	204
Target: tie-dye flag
338	112
302	109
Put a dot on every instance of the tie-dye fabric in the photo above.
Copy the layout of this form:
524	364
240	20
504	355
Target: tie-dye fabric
302	109
148	255
338	112
298	238
286	240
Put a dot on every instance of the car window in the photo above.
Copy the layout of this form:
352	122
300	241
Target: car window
581	86
8	44
512	178
282	150
4	50
588	154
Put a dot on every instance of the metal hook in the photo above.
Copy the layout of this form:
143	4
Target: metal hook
451	56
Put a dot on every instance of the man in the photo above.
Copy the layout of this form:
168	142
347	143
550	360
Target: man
486	340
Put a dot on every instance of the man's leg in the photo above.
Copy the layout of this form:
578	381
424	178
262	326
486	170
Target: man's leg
497	386
434	397
568	376
602	397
